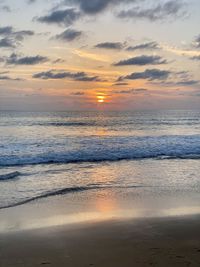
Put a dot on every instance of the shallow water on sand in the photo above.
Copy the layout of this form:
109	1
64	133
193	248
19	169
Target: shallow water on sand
148	161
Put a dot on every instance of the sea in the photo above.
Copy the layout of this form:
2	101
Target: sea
130	156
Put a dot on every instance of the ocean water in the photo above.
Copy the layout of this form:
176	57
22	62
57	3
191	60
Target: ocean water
127	155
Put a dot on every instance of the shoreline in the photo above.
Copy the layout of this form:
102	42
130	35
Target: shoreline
169	241
80	208
103	228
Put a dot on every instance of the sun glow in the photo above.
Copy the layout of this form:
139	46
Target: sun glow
100	98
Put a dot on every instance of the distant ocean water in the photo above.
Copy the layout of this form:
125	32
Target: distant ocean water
46	154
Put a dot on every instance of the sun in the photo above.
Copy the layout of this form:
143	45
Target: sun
100	98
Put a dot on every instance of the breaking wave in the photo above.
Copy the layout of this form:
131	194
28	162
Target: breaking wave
9	176
108	149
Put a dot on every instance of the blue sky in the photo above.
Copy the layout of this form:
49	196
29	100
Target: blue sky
99	54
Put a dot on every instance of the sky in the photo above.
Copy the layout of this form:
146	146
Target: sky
58	55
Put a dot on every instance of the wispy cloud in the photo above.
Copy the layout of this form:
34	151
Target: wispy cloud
76	76
132	91
15	59
148	74
5	77
161	11
64	17
110	45
69	35
144	46
141	61
12	38
196	42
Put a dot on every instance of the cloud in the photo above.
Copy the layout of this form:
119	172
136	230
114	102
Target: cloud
187	82
76	76
197	42
14	59
4	8
64	17
92	7
147	46
7	43
195	58
110	45
120	84
78	94
58	60
161	11
6	30
12	38
5	77
21	35
131	91
67	12
31	1
149	74
181	78
9	31
141	61
69	35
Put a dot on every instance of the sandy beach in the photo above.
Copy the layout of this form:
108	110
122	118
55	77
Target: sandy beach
99	133
173	241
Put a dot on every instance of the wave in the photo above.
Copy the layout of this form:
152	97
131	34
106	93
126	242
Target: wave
129	123
108	123
91	159
9	176
68	190
57	124
106	149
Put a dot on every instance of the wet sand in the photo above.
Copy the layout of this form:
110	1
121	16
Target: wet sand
172	241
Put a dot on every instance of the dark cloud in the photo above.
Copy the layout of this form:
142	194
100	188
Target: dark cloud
3	72
93	7
85	78
11	37
6	30
132	91
187	82
147	46
110	45
181	78
76	76
197	42
141	61
195	58
64	17
14	59
120	84
4	7
5	77
7	43
161	11
149	74
69	11
58	60
78	93
9	31
69	35
21	35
